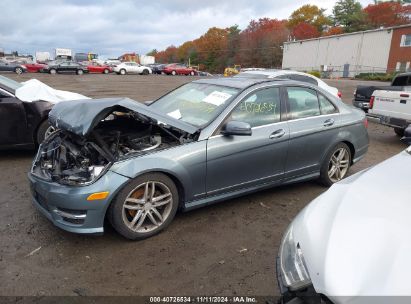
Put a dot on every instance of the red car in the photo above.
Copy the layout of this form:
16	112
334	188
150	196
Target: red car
32	67
179	69
95	67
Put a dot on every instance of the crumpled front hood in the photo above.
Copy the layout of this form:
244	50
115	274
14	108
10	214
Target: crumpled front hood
356	237
81	116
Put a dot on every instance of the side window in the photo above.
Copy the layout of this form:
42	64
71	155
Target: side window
303	102
326	106
260	108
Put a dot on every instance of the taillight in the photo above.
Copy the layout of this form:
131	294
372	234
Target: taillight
371	102
366	122
339	94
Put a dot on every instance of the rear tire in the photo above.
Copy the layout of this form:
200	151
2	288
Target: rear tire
173	73
106	71
132	211
18	71
53	71
123	72
79	72
145	72
399	131
335	165
192	73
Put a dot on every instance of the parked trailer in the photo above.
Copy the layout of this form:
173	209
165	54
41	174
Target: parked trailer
80	57
63	53
144	59
42	57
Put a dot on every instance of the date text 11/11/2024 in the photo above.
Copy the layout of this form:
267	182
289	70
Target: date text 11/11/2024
203	299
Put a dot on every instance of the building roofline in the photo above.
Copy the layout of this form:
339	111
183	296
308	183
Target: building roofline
353	33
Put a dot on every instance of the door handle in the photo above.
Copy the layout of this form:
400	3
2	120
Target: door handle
277	134
328	122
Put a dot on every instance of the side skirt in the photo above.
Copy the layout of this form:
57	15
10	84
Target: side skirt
233	194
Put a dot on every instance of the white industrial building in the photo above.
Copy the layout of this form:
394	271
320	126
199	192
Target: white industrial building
347	55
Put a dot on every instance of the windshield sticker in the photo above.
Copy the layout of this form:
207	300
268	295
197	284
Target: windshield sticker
175	114
217	98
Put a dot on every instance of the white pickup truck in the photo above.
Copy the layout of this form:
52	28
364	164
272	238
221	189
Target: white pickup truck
391	108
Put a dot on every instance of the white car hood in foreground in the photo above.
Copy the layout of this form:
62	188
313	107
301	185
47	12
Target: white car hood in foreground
356	237
33	90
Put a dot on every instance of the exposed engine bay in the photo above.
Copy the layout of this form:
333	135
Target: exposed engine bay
68	158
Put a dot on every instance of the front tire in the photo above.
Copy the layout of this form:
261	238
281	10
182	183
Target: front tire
106	71
174	73
19	71
336	165
53	71
123	72
192	73
80	72
145	72
144	207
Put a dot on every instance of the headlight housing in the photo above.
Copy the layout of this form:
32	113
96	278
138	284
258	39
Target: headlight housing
294	272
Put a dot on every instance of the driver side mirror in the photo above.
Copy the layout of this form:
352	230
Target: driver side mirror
236	128
407	135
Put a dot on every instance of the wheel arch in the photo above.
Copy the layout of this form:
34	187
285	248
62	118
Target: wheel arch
352	149
334	144
176	180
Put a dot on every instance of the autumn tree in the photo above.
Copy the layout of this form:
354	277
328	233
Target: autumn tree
153	52
233	44
305	30
387	14
334	30
309	14
349	14
261	43
211	47
168	55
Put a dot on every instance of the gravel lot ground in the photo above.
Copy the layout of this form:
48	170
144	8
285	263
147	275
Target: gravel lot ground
224	249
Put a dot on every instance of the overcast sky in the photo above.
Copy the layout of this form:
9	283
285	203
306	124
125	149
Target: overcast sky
111	28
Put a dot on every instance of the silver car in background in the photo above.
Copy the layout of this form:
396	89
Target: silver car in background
291	75
204	142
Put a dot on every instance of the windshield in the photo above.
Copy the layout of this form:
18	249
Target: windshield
7	82
195	103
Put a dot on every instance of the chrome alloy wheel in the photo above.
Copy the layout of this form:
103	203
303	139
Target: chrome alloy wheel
50	130
339	164
147	207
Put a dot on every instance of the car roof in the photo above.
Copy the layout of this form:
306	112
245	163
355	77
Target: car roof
275	72
244	82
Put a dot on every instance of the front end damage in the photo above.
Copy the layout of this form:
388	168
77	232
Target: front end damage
71	159
73	163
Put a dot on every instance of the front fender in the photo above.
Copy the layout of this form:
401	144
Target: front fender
186	163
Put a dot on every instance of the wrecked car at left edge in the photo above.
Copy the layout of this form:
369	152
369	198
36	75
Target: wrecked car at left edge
24	108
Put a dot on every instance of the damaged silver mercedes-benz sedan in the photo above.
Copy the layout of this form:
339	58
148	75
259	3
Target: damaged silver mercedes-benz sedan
209	140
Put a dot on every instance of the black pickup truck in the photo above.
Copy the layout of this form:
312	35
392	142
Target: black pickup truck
363	94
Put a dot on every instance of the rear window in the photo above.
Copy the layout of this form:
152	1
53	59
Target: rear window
400	81
303	78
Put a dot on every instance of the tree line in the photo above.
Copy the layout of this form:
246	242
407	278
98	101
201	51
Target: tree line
260	43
